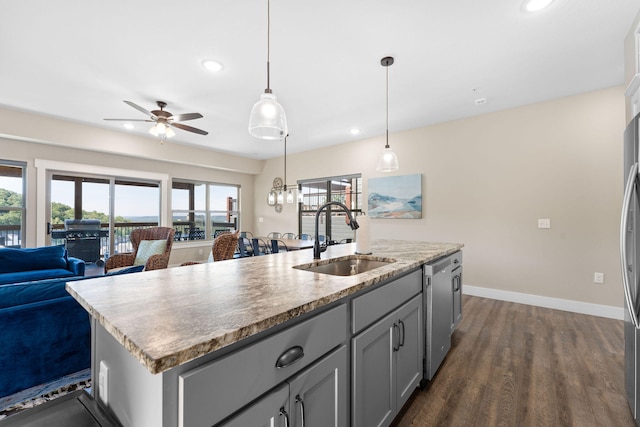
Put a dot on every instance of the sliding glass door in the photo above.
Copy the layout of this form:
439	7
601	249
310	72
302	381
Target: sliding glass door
116	205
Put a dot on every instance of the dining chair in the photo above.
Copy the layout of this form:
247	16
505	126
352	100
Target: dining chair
246	234
304	236
278	245
259	246
273	235
224	246
243	252
288	236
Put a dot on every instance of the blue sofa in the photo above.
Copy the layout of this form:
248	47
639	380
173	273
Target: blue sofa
45	333
47	262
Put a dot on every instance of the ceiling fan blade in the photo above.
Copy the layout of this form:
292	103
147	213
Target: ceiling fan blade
139	108
186	116
189	128
130	120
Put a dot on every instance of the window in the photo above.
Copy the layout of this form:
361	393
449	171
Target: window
332	224
12	203
134	204
202	210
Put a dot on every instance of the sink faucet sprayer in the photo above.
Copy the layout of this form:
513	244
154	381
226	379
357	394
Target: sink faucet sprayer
352	223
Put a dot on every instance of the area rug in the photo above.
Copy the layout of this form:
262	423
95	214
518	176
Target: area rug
34	396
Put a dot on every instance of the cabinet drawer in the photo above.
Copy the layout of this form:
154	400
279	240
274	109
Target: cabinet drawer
373	305
209	393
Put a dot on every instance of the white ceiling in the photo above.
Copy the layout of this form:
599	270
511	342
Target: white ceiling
79	59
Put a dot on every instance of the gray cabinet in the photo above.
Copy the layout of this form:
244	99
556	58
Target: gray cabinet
315	397
214	391
387	365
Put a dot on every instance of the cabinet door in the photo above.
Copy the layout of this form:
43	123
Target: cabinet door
271	410
318	397
372	386
410	352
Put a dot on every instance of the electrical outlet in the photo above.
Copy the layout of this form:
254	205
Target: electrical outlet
544	223
598	277
103	381
199	251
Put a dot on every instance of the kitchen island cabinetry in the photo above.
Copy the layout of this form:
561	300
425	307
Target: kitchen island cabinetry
387	365
197	346
315	397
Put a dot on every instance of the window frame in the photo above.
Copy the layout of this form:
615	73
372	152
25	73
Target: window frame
23	208
354	196
207	213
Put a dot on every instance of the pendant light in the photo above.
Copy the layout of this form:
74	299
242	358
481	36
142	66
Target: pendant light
388	161
284	191
268	120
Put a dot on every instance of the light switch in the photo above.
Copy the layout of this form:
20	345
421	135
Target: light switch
544	223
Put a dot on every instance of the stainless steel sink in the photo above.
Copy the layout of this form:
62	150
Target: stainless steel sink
346	266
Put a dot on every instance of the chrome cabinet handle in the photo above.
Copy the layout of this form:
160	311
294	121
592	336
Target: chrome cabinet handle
284	414
301	402
290	357
395	326
628	193
402	335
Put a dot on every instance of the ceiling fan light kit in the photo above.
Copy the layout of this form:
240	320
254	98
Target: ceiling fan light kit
164	121
268	119
388	161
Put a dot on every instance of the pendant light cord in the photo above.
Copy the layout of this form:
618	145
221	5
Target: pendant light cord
268	90
387	146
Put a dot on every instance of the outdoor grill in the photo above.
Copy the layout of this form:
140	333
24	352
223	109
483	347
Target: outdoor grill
82	238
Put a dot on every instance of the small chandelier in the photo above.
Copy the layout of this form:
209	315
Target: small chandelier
388	161
281	191
267	119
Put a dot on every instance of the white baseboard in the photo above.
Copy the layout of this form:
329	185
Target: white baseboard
547	302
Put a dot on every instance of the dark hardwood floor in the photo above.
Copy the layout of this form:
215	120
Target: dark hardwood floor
520	365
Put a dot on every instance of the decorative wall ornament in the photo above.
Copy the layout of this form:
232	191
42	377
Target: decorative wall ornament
397	197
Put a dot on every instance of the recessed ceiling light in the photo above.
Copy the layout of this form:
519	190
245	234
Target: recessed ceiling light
355	131
213	66
536	5
128	126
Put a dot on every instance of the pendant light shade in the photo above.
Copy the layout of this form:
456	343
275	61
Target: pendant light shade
267	119
388	161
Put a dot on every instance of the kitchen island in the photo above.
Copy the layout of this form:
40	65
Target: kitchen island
186	345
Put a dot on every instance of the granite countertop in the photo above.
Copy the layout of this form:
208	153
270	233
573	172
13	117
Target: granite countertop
168	317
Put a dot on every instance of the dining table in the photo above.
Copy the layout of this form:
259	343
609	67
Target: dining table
292	244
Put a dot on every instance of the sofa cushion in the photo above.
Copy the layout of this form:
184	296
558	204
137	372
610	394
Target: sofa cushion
14	294
148	248
25	259
29	276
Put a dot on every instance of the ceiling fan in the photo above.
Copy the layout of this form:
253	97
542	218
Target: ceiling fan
164	120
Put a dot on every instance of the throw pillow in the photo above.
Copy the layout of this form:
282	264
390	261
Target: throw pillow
148	248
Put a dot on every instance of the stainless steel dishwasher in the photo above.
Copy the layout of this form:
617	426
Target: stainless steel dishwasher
438	300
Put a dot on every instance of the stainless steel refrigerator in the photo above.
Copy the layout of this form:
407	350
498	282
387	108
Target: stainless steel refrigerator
630	260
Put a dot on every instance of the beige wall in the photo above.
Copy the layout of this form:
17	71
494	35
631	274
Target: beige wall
486	181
